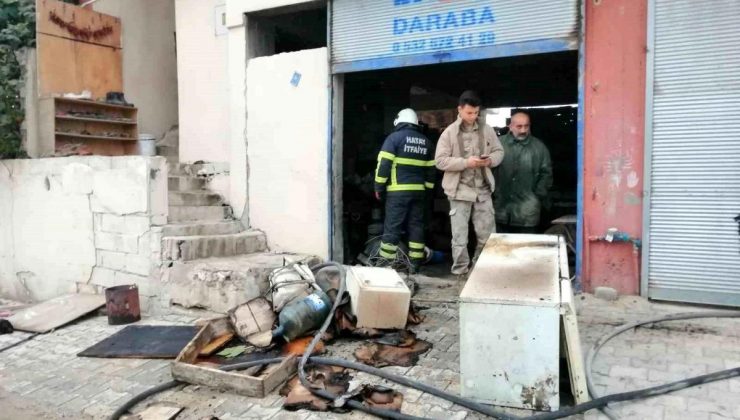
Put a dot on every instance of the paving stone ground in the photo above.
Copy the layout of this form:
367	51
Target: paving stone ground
43	378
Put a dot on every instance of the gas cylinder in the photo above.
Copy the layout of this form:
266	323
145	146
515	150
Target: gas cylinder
302	316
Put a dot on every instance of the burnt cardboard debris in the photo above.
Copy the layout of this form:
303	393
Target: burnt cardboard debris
336	380
401	349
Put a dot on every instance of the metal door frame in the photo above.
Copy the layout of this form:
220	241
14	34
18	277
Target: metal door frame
647	177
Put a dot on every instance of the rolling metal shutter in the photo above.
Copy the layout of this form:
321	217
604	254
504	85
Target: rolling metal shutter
693	155
375	29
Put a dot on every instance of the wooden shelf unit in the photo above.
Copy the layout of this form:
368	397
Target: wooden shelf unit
106	129
69	118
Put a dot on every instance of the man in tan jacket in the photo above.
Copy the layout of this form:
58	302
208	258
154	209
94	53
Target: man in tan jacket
466	152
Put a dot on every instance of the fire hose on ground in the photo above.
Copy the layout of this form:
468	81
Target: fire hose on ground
596	403
594	350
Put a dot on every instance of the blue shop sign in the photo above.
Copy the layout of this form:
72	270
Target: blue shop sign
425	31
462	27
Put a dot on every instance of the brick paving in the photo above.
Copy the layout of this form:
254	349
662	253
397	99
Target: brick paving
43	378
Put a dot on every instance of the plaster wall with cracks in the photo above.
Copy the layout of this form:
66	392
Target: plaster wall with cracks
19	276
67	263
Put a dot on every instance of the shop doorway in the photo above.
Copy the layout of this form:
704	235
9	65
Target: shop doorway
543	85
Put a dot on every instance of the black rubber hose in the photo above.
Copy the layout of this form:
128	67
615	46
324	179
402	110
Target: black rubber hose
596	403
351	403
309	350
594	350
639	394
393	378
481	408
593	404
8	347
581	408
141	397
301	366
171	384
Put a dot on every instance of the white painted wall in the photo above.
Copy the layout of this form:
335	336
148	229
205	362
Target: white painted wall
80	223
287	132
203	71
212	88
149	59
241	48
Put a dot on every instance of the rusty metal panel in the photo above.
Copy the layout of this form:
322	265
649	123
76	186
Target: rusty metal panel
693	247
375	30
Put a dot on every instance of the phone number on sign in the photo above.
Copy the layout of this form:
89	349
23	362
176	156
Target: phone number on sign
441	43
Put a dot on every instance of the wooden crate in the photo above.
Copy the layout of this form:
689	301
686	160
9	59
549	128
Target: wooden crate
186	369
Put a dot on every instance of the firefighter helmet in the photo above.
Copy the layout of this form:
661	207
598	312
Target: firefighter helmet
408	116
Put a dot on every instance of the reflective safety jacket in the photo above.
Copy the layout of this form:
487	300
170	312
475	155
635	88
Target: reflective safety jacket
405	162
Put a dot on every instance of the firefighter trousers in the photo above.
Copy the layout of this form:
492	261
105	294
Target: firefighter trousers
404	211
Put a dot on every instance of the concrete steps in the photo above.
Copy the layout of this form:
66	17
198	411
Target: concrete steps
178	169
202	229
171	154
221	284
198	169
189	248
185	183
194	198
210	261
199	213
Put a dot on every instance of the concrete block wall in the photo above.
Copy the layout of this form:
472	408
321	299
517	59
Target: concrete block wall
81	224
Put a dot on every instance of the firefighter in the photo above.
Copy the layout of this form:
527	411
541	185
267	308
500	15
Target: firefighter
404	176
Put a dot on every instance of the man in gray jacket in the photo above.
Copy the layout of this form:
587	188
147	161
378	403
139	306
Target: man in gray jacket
466	152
